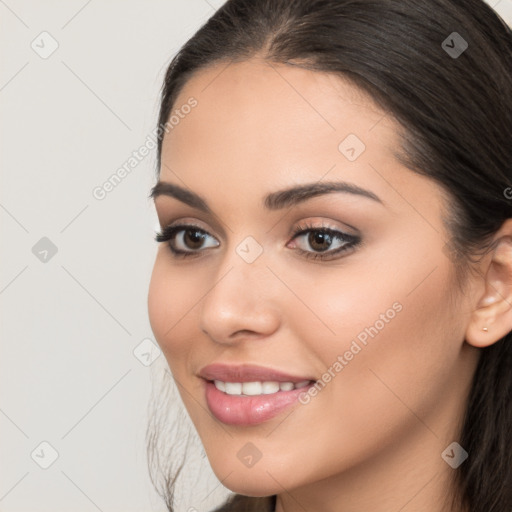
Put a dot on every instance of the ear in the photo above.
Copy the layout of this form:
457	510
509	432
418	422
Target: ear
494	308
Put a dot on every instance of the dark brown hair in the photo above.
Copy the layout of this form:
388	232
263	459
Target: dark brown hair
455	112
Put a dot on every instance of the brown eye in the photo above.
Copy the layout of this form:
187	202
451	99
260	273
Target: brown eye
322	242
190	239
193	238
319	241
186	239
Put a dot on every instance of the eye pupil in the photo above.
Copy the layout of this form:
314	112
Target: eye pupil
320	238
196	238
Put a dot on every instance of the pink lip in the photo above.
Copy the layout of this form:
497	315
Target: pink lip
244	410
247	373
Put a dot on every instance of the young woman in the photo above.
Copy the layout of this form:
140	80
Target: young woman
333	287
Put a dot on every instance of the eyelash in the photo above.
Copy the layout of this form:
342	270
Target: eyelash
168	233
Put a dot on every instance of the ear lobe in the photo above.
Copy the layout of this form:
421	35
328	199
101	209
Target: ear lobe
494	309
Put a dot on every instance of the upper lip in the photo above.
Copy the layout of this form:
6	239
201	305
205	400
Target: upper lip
247	373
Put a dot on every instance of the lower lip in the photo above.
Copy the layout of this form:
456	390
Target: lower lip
245	410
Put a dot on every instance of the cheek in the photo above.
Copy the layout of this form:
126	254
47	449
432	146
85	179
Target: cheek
385	330
170	306
159	303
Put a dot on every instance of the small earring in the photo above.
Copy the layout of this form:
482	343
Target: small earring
485	329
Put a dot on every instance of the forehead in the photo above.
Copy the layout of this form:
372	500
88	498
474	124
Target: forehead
256	87
262	111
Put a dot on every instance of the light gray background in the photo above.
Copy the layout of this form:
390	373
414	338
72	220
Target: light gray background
70	324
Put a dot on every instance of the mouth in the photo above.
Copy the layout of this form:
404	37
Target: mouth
247	395
242	409
256	388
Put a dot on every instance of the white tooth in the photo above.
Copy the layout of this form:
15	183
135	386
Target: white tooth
269	387
286	386
233	388
221	386
257	387
251	388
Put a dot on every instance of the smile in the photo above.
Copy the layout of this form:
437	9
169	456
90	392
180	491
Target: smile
257	387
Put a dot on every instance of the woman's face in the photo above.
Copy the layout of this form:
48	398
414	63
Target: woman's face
368	309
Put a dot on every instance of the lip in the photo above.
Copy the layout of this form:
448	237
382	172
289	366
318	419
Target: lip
241	410
247	373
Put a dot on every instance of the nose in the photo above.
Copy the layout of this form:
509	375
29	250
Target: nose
240	303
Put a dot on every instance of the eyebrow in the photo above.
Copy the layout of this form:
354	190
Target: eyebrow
273	201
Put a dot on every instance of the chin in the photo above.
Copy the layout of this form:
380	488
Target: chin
255	491
249	483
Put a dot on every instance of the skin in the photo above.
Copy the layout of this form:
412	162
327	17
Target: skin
372	438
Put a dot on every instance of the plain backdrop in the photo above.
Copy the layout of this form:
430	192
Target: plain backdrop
79	88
